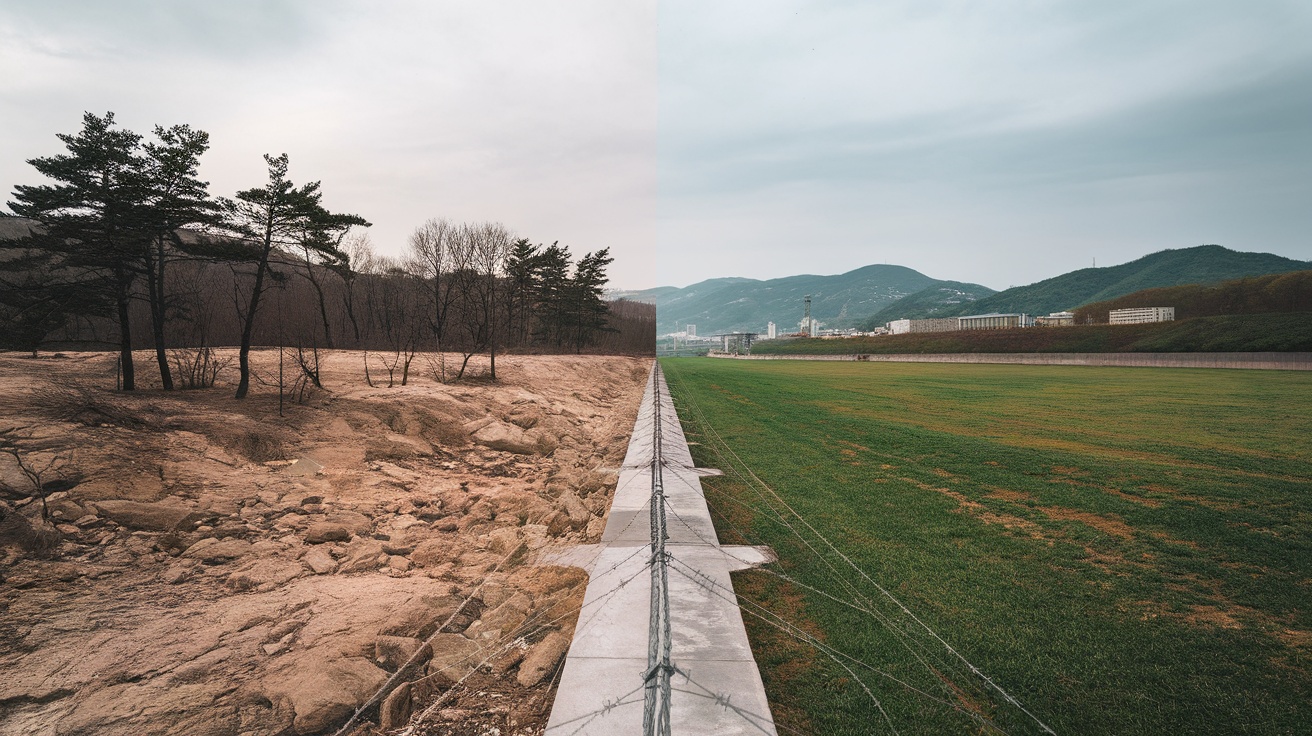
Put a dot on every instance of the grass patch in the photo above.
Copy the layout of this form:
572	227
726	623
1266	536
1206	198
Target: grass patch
1124	550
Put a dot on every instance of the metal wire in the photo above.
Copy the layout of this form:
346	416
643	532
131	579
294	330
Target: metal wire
656	697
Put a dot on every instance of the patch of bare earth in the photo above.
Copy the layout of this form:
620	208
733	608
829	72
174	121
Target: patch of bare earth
221	570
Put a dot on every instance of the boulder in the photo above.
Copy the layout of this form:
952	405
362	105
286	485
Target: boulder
542	659
454	656
151	517
363	555
395	710
507	438
578	512
265	575
503	620
319	561
217	551
420	618
392	652
432	552
326	531
26	537
323	690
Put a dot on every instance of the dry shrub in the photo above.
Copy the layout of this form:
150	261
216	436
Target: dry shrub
195	368
77	402
259	446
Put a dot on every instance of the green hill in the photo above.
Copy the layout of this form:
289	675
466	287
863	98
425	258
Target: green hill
736	304
940	300
1203	264
1281	292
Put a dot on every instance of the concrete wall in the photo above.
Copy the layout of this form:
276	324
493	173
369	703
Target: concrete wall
1262	361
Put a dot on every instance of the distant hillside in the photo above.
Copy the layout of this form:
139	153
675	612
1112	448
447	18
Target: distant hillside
1203	264
1282	292
736	304
940	300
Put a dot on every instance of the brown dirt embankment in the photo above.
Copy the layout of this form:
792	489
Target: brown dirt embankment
223	570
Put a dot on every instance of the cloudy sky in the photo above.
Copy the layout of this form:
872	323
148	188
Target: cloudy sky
999	142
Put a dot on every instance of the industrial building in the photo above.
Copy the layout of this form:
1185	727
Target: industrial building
1056	319
903	326
994	321
771	331
1140	315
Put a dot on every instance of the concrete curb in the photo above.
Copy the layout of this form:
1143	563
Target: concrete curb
717	688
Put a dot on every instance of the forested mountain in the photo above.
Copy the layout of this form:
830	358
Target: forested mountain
738	304
1271	294
1204	264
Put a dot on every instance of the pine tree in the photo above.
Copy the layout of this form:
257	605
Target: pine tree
92	216
277	216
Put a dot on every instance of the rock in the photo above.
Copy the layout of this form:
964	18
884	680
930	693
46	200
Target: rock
503	540
217	551
477	424
24	536
311	501
420	618
398	563
428	688
177	573
542	659
526	416
578	513
363	555
327	532
319	561
355	521
504	619
265	575
323	691
432	552
64	508
395	710
507	438
454	656
155	517
303	467
558	523
392	652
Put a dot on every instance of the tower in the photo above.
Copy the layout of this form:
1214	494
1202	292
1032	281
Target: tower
807	326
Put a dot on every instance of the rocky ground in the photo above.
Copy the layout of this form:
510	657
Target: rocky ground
214	569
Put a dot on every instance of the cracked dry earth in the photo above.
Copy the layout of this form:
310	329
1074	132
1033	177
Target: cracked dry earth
221	570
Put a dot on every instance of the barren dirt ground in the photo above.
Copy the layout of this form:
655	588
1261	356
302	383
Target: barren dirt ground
224	570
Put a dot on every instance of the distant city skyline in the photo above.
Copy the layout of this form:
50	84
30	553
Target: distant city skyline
998	143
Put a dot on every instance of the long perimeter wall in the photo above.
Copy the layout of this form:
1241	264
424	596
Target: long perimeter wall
1261	361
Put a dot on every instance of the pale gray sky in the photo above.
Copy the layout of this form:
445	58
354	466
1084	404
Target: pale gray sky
538	115
1000	142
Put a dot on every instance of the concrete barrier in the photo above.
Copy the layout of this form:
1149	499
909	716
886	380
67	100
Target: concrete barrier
1255	361
717	687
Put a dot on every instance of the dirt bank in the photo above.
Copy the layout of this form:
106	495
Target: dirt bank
224	570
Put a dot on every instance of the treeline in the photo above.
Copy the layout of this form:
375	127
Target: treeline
129	246
1274	293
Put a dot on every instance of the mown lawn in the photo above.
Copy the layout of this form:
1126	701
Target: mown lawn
1123	550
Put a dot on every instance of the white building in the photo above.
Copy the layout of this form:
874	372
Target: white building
994	321
770	331
903	326
1139	315
691	330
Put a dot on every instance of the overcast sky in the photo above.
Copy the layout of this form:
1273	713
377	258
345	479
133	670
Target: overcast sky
999	142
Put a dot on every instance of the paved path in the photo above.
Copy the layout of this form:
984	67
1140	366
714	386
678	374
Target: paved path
717	687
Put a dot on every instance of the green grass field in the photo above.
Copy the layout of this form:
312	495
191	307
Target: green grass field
1124	551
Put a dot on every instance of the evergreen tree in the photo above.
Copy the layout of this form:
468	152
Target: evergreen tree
92	215
588	311
277	216
174	199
